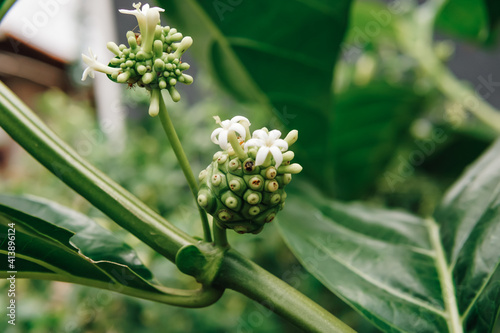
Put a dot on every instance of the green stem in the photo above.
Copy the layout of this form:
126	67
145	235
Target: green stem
169	128
236	272
120	205
7	4
416	38
236	146
445	275
220	237
242	275
184	298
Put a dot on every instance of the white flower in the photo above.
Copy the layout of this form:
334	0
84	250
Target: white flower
94	65
268	143
148	19
236	124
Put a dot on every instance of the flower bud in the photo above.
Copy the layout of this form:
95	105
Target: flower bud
114	48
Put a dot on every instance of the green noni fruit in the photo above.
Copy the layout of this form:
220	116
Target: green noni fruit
244	186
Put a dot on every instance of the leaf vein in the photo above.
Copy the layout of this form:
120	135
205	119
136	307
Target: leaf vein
376	283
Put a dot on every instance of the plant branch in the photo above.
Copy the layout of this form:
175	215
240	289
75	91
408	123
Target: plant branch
220	237
415	35
197	298
235	272
242	275
120	205
184	163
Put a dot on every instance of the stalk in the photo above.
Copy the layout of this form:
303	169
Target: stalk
242	275
416	38
60	159
169	128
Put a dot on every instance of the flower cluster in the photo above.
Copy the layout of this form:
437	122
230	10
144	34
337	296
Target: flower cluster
152	60
243	187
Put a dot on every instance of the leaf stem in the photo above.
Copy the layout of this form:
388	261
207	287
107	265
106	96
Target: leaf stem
446	280
196	298
184	163
60	159
220	237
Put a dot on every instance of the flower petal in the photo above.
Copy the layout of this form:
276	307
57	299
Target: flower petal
238	128
223	139
280	143
260	134
214	135
88	72
261	155
254	143
274	135
237	119
277	155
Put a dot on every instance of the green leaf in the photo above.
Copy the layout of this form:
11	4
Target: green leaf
371	20
55	240
466	19
279	54
469	216
369	124
493	9
402	272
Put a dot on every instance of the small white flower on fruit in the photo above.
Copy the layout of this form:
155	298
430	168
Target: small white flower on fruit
236	124
147	18
268	143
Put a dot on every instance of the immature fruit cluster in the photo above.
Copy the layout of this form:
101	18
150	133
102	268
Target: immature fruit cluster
242	195
159	69
152	60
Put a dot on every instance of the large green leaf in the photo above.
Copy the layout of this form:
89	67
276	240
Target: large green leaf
405	273
279	54
369	123
471	20
63	244
470	222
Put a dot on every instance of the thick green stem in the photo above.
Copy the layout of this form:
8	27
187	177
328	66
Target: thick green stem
220	237
242	275
235	272
120	205
184	163
198	298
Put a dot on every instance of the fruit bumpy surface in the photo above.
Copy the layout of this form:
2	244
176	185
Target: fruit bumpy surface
240	195
161	68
